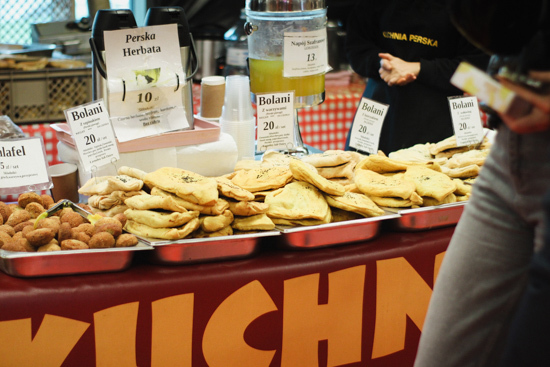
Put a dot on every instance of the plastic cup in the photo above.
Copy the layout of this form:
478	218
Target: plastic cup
237	104
65	181
212	96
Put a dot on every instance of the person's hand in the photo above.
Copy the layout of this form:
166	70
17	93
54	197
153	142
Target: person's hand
395	71
538	119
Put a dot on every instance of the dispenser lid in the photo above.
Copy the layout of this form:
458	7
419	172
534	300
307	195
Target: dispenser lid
111	20
160	15
284	5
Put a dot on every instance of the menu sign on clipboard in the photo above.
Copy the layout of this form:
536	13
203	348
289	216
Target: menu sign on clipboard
145	80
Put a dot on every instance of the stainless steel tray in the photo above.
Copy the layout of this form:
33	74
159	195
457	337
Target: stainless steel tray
196	250
429	217
67	262
333	234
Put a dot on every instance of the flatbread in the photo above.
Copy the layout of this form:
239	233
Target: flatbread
392	202
374	184
160	219
462	172
149	202
213	223
470	157
429	201
259	222
106	202
226	231
382	164
297	200
417	153
247	208
105	185
261	179
329	158
430	183
303	172
227	188
357	203
132	172
342	170
218	208
186	184
176	233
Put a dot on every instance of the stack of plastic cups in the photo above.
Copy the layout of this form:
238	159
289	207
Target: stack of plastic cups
237	117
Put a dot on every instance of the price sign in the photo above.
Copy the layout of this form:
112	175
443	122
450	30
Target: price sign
367	124
93	134
305	53
275	113
466	120
23	166
145	79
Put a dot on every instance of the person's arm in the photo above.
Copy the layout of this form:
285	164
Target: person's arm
538	119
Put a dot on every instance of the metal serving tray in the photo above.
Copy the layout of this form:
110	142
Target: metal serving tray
196	250
429	217
67	262
333	234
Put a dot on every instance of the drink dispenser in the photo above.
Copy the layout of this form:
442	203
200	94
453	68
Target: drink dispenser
269	22
287	51
105	20
176	15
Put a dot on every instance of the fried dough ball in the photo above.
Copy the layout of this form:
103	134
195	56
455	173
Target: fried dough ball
1	220
110	225
13	207
121	217
5	211
65	232
102	240
87	228
18	235
63	211
17	217
126	240
52	223
7	229
35	209
4	237
73	245
85	207
39	237
81	236
47	200
73	218
28	197
20	226
19	244
52	246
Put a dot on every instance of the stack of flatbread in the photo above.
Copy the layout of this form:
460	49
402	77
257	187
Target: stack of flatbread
107	194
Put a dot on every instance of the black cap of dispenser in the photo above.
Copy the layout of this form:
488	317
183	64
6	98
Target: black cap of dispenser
169	15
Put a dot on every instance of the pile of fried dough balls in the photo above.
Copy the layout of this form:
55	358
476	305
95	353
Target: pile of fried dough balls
24	229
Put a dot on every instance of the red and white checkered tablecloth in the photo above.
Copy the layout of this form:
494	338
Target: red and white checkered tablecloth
325	126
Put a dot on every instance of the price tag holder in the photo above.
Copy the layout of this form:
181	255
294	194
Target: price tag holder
145	79
275	113
367	125
23	166
466	120
305	53
93	134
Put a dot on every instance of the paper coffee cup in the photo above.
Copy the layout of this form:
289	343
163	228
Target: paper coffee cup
65	182
212	96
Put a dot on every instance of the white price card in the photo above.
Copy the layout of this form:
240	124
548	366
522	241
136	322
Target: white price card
93	134
367	125
305	53
466	120
145	80
275	113
23	166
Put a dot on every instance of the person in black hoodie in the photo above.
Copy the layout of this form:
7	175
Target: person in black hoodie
408	50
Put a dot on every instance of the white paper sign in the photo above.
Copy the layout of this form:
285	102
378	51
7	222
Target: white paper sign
367	124
275	113
93	134
23	165
466	120
145	79
305	53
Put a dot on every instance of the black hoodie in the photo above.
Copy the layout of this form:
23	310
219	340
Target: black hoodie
415	31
